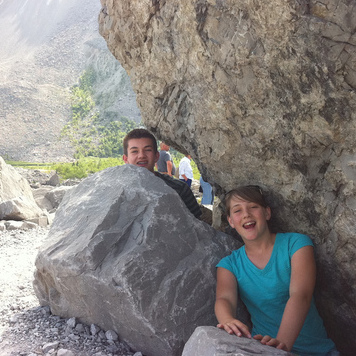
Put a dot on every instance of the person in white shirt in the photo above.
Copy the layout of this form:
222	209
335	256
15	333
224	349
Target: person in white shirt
185	170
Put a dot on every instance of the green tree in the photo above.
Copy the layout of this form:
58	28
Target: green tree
87	134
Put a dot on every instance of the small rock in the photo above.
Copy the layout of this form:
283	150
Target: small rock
111	335
94	329
13	319
64	352
71	322
74	337
101	335
112	349
51	346
54	180
80	328
46	310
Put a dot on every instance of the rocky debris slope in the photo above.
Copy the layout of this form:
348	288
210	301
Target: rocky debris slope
28	329
258	92
45	48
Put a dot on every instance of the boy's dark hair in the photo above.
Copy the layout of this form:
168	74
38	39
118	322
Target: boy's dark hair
251	193
139	133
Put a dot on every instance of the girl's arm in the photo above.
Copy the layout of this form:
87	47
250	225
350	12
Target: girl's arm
300	295
226	303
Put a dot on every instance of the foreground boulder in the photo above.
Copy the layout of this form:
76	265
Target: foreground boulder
126	254
211	341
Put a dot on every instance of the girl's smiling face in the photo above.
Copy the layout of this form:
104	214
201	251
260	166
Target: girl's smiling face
248	219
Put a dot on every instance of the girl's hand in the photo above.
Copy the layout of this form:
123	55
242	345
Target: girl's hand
235	326
267	340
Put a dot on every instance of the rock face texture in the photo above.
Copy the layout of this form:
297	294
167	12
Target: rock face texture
259	93
126	254
211	341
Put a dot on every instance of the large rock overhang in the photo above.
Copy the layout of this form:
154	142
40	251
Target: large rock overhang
258	93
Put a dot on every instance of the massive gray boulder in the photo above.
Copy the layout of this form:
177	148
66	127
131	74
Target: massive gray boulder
126	254
16	199
258	92
12	184
211	341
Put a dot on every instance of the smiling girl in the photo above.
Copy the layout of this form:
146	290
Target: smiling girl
275	276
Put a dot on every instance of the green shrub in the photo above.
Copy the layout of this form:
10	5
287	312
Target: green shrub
30	165
94	133
84	166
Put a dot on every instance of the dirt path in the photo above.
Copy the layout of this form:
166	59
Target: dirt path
18	250
27	329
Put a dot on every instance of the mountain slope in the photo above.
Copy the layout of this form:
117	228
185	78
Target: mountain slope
45	47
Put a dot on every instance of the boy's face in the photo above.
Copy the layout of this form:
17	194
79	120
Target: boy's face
141	153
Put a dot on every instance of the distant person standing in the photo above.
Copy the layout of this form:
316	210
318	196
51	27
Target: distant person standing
185	170
165	163
208	194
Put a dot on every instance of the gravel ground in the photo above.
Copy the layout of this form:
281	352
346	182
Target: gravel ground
26	328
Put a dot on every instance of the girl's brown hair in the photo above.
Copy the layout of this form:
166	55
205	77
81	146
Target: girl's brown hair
251	193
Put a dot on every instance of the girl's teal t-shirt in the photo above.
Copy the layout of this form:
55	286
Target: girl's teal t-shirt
265	293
